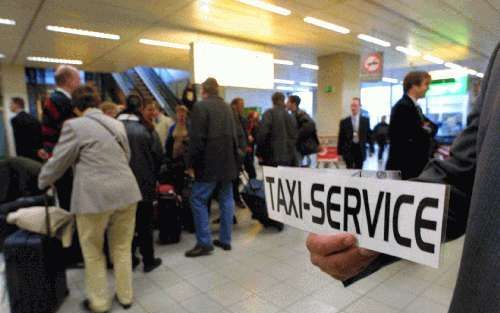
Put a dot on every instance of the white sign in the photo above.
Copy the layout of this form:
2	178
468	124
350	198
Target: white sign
399	218
232	66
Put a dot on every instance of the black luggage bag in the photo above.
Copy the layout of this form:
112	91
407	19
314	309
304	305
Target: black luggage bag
254	196
36	275
169	216
9	207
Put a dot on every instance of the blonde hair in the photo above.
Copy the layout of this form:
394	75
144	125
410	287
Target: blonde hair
108	106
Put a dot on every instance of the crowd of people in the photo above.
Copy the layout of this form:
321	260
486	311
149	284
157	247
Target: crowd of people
107	161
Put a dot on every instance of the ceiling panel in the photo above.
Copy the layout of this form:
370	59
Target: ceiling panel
456	30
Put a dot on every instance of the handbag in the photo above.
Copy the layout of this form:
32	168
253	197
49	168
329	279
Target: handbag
51	221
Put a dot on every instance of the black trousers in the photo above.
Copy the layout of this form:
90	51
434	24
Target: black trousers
250	166
381	149
143	238
355	159
64	187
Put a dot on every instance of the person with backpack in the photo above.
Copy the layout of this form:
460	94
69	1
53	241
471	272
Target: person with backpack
307	137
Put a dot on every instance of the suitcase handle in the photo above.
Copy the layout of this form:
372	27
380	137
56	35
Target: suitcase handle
47	215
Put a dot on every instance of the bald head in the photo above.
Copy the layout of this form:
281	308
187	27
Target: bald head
67	77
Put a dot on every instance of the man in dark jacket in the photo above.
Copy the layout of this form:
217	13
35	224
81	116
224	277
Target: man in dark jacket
277	135
381	134
472	171
27	131
307	137
410	132
214	154
354	134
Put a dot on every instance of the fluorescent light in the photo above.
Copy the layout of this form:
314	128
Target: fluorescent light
286	88
446	73
327	25
282	62
454	66
374	40
471	71
6	21
284	81
480	75
53	60
2	56
302	89
310	66
267	6
408	51
164	44
82	32
433	59
307	84
390	80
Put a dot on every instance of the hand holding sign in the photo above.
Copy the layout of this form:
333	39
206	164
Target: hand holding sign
338	255
403	219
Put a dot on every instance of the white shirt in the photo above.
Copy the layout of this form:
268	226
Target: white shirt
67	94
355	128
413	99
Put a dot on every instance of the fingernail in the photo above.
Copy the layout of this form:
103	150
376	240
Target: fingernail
349	241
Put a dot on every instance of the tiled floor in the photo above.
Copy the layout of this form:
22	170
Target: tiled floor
270	272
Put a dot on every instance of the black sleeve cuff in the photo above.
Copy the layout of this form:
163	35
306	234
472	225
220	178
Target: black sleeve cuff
380	262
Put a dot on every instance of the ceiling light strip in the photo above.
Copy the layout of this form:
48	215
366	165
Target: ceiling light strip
166	44
285	88
267	6
284	81
82	32
2	55
283	62
54	60
326	25
308	84
390	80
433	59
374	40
6	21
408	51
310	66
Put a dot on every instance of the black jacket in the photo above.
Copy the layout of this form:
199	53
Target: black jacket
381	132
19	178
146	155
307	137
277	137
346	133
27	135
213	146
410	142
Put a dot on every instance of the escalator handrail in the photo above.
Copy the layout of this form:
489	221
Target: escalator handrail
156	90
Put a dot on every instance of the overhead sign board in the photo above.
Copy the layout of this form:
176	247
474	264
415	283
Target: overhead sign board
447	87
399	218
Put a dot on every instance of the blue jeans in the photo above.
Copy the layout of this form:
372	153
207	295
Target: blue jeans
201	192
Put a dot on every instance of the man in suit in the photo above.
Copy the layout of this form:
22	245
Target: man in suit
27	131
277	135
213	154
354	134
473	173
410	131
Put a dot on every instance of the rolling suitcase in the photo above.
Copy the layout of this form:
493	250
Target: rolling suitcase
254	196
36	275
169	215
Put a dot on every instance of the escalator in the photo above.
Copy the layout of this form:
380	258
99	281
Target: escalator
149	86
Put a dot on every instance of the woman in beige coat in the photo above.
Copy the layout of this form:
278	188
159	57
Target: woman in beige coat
105	195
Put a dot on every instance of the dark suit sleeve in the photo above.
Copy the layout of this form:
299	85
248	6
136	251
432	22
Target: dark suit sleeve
305	125
341	140
264	130
198	135
369	135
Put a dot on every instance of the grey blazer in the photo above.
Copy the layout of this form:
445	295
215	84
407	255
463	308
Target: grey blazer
473	171
103	180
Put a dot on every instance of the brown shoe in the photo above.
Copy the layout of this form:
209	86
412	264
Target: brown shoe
199	250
